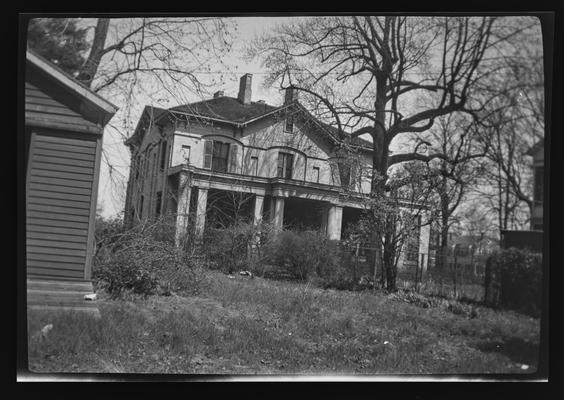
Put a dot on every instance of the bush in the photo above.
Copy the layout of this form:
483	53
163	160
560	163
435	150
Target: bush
302	254
514	279
136	260
228	248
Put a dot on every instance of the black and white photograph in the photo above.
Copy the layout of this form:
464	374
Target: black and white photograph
282	197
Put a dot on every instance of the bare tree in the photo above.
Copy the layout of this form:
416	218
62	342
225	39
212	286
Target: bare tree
458	139
138	61
363	75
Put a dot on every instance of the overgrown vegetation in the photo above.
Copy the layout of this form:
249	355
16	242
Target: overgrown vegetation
250	326
142	260
230	248
514	280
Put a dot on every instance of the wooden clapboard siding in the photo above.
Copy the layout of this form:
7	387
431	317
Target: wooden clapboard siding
77	162
57	258
64	147
64	204
40	187
54	166
54	109
54	229
69	156
69	140
51	264
50	194
39	218
34	272
61	182
59	203
58	244
55	236
71	212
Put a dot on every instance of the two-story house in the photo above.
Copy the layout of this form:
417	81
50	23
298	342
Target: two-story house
284	160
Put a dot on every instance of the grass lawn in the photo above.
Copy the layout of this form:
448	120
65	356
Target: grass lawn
258	326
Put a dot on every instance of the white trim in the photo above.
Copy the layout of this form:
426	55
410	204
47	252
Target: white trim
187	134
71	83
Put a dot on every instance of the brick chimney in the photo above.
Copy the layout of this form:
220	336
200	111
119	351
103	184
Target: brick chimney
245	89
217	94
291	95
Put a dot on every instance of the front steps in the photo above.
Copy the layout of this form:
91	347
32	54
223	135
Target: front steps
56	295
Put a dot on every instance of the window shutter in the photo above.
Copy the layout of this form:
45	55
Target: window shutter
208	148
233	158
280	165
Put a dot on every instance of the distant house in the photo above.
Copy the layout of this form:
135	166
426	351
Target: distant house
537	152
64	123
187	160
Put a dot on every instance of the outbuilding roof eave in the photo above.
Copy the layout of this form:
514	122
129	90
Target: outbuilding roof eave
71	83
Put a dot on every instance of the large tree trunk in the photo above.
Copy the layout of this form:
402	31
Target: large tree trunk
91	65
380	168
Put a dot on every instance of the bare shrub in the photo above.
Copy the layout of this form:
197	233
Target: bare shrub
145	261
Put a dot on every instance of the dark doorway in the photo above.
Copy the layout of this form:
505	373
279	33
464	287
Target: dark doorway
350	219
225	208
303	214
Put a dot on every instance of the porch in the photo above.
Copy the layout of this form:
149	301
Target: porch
213	198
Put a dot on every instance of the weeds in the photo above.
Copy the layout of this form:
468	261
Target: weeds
258	326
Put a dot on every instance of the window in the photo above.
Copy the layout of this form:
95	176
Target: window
289	126
254	166
220	156
185	153
216	155
163	155
539	177
159	203
316	174
285	162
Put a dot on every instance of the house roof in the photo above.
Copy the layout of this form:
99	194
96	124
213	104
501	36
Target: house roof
230	110
71	84
226	108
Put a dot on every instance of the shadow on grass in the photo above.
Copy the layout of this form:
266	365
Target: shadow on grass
518	350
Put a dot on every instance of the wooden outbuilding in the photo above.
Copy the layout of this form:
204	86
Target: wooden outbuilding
64	124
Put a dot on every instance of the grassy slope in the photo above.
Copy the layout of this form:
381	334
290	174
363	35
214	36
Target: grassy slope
247	326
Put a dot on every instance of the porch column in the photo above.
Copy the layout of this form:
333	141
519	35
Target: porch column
201	212
259	203
278	218
183	208
424	237
334	219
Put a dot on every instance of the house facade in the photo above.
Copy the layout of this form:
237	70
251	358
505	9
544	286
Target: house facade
187	161
64	124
